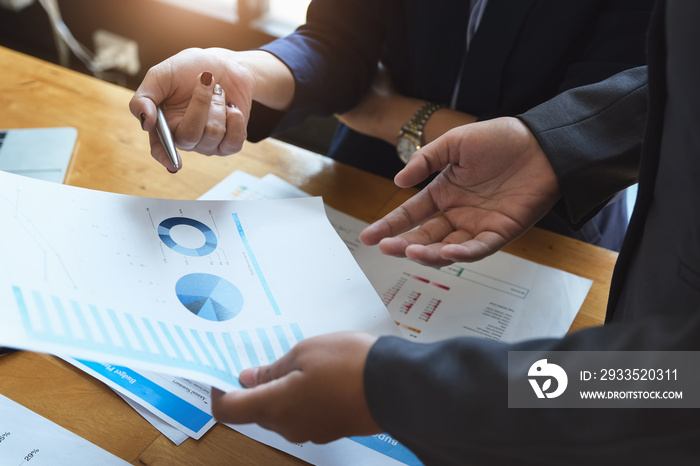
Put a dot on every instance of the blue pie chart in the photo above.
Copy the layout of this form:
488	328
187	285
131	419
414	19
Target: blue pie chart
209	296
208	237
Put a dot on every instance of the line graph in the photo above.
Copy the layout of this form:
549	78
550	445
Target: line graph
43	246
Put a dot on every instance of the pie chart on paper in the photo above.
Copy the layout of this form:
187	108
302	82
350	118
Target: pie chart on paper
188	228
209	296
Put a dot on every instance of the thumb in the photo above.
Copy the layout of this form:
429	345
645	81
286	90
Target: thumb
254	376
431	158
145	110
251	404
149	95
249	377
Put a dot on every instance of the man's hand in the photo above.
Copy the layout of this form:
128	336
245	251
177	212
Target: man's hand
495	183
313	393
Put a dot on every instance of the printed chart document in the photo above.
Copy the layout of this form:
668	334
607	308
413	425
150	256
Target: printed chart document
502	298
196	289
29	439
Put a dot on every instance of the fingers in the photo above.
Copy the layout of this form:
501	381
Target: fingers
473	250
424	244
203	125
246	406
255	376
248	378
143	105
250	405
144	109
212	125
191	129
315	392
446	253
440	242
433	232
198	112
148	95
431	158
236	130
443	253
408	215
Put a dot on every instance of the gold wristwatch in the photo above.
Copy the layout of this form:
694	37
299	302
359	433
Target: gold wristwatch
411	135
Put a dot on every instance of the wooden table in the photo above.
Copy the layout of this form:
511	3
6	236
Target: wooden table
112	154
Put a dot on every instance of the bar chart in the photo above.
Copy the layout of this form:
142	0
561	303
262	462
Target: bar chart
222	354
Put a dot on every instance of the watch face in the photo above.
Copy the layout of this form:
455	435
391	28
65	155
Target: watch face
405	148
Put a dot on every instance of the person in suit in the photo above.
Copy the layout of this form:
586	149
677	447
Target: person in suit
450	63
448	401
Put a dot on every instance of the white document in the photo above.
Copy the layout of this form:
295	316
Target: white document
502	297
29	439
375	450
196	289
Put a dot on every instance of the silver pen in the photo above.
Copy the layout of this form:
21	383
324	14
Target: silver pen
166	138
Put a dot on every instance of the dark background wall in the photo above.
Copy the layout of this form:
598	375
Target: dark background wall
160	30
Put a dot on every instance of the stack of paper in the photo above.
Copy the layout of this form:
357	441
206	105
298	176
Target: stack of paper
203	289
130	287
502	297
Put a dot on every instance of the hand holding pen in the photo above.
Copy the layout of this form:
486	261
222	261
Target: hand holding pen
205	96
198	121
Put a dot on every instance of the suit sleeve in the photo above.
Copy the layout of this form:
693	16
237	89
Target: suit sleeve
448	401
592	136
333	58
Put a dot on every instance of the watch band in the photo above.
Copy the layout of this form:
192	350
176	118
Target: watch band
411	134
420	118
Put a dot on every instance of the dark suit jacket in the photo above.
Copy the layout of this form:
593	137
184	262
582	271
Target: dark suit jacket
457	390
523	53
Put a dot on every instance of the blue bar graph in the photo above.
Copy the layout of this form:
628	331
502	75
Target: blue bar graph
109	331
